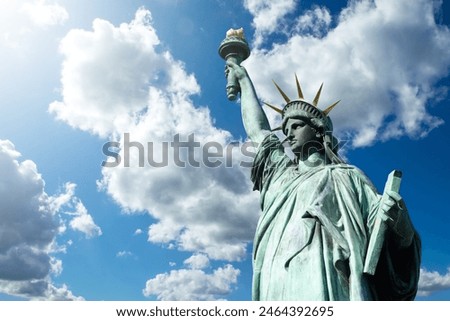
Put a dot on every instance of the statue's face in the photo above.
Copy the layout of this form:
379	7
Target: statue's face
300	134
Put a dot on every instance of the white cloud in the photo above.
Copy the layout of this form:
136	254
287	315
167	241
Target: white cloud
56	266
108	71
83	222
197	261
432	281
42	13
68	203
314	22
163	232
41	289
13	25
138	232
383	59
24	25
122	254
267	15
119	80
28	230
178	285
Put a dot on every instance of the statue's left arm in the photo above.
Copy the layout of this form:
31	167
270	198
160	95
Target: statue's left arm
397	219
398	269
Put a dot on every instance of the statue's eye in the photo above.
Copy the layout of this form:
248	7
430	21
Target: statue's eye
298	124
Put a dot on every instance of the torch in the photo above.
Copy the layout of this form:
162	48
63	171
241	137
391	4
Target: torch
234	48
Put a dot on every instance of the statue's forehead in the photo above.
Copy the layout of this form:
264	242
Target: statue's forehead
294	119
297	116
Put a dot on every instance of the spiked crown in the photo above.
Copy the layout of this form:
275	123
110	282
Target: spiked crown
300	107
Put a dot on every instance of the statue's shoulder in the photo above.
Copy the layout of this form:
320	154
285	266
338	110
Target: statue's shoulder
350	172
344	169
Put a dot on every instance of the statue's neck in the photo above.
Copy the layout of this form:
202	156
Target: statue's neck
306	162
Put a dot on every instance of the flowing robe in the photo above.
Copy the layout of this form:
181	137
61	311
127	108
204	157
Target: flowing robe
312	236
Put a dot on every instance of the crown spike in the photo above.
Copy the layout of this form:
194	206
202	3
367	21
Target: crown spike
274	108
330	108
286	98
299	89
316	99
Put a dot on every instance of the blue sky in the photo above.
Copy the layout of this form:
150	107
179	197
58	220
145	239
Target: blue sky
78	74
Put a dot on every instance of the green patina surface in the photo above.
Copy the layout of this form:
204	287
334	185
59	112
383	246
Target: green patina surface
320	215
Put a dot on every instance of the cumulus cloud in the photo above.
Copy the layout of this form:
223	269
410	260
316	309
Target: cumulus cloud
179	285
38	290
30	225
197	261
382	58
108	71
314	22
433	281
42	13
268	15
118	80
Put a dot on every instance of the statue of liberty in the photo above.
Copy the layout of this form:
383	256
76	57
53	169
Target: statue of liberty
320	215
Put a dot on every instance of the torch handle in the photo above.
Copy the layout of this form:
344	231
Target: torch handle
233	88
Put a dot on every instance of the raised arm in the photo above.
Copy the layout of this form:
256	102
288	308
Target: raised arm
255	121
